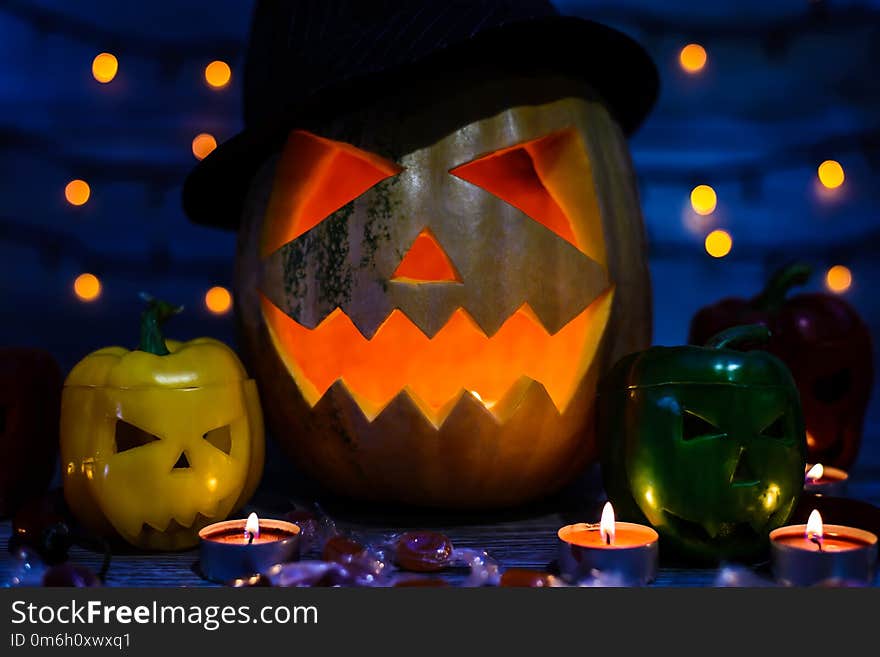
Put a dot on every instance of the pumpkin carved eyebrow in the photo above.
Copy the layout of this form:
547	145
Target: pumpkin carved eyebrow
517	174
315	177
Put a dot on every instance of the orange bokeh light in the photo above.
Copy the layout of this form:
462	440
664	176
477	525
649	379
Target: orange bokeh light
703	200
838	279
77	192
218	300
693	58
104	67
218	74
203	144
718	243
831	174
87	287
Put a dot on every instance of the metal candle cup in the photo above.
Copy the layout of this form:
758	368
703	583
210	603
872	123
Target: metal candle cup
825	480
631	552
227	552
802	557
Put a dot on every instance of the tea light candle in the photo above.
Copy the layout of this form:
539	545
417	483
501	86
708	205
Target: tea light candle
803	555
825	480
239	548
624	548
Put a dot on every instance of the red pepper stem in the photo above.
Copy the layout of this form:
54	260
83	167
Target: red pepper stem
773	295
152	338
735	335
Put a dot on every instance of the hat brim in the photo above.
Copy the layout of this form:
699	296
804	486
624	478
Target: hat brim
613	64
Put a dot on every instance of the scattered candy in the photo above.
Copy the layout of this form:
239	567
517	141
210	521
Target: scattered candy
342	549
422	551
308	573
524	577
257	580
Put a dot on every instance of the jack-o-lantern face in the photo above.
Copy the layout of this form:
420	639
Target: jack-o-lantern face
454	295
437	318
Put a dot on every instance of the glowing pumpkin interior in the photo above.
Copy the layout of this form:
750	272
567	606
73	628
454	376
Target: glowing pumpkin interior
545	179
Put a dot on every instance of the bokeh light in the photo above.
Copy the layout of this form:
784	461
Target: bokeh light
77	192
838	279
87	287
693	58
218	74
718	243
703	199
218	300
831	174
104	67
202	145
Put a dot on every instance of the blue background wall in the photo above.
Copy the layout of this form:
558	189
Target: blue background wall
788	84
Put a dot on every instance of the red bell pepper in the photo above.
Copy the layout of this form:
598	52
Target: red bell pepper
825	344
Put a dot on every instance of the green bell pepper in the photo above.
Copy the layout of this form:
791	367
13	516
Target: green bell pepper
706	444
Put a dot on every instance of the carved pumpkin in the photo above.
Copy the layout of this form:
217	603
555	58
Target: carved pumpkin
428	291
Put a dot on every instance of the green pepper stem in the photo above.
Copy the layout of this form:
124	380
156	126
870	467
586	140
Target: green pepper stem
738	335
152	339
773	295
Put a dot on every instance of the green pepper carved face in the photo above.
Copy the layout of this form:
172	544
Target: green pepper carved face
707	445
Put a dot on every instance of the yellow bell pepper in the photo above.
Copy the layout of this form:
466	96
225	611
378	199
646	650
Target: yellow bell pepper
160	441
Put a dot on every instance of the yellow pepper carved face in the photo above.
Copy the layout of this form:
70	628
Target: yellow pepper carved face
156	447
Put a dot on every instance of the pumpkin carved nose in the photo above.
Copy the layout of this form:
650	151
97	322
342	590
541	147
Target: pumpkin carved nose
182	462
744	474
426	262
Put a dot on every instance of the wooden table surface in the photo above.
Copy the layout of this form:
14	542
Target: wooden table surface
524	537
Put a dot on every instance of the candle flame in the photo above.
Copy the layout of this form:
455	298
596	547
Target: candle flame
814	525
252	526
606	524
815	473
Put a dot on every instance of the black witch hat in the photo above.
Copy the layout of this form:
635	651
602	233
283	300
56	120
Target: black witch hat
308	56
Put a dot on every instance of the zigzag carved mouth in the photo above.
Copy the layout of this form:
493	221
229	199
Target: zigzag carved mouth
460	358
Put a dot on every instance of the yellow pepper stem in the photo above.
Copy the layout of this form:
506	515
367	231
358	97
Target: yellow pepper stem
156	313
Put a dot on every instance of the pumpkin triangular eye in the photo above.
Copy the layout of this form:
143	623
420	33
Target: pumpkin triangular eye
128	436
315	177
693	426
776	429
514	175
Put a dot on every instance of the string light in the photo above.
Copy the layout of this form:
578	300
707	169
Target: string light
838	279
217	74
218	300
718	243
703	200
77	192
104	67
202	145
87	287
693	58
831	174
